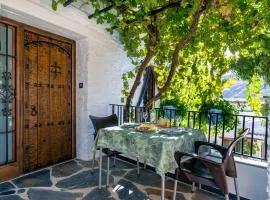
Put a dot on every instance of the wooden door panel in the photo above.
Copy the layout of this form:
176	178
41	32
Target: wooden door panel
44	152
30	107
49	135
66	98
56	104
68	93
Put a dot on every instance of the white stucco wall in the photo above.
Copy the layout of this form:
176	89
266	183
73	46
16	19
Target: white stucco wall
252	179
100	59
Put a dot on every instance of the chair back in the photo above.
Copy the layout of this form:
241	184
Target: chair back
228	159
103	122
232	145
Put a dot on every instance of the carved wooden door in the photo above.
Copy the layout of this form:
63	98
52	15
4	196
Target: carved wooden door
47	99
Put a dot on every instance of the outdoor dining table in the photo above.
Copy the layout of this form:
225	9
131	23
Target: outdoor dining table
157	147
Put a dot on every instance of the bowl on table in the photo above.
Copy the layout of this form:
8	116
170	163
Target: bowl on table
163	123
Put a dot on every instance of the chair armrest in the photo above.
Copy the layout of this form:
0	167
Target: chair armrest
215	169
220	149
210	163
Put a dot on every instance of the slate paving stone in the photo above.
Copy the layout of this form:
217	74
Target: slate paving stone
88	164
149	184
21	191
7	193
128	191
98	194
209	196
154	193
66	169
118	164
115	172
11	197
6	188
180	197
181	187
36	179
146	178
39	194
83	180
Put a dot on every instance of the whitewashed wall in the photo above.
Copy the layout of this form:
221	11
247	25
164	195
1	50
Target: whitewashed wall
252	179
100	59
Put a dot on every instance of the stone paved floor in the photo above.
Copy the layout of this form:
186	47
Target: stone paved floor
74	180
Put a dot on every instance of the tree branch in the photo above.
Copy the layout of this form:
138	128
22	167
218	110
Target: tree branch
152	42
108	8
181	43
157	11
68	2
153	12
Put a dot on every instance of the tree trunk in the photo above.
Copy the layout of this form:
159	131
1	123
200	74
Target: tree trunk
175	59
152	33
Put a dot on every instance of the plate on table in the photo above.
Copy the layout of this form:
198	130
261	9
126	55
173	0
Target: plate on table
129	126
172	131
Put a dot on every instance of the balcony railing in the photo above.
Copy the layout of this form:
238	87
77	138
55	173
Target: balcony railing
219	128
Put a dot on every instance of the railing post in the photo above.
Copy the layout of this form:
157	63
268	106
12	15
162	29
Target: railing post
194	119
200	120
252	136
267	156
266	140
235	131
216	131
188	119
223	129
126	113
157	114
112	108
209	128
243	128
170	118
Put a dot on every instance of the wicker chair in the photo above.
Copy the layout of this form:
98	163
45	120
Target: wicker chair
208	170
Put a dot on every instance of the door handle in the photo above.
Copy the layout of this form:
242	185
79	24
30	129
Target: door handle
34	111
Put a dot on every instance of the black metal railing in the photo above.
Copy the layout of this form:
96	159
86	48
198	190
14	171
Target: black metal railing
219	128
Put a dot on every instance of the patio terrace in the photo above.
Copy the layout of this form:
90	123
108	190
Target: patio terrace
74	180
100	63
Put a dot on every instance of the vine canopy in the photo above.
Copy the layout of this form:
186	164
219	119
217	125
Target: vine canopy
192	43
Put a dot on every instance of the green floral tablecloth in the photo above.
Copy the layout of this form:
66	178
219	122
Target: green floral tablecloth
156	148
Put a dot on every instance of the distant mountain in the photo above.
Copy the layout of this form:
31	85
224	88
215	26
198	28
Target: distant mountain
238	90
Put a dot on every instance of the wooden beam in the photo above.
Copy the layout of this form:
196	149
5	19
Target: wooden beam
159	10
68	2
156	11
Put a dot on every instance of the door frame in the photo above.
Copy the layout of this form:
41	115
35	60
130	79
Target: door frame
14	169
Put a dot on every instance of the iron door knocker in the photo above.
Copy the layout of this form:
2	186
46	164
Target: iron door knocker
33	111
